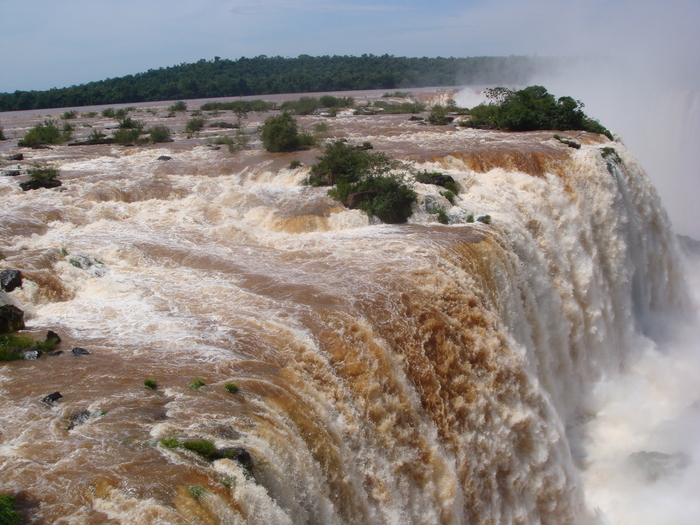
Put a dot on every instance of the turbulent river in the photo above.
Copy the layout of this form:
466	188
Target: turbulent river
421	373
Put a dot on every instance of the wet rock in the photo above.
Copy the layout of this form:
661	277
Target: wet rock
437	179
164	157
53	354
11	173
52	398
414	117
653	466
486	219
10	279
11	319
31	355
78	418
80	351
37	184
15	156
52	336
240	455
97	268
354	200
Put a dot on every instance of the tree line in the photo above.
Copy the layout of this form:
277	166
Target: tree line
264	75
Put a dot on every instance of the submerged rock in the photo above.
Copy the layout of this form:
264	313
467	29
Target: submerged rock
51	398
15	156
10	279
11	319
37	184
164	157
78	418
80	351
11	173
31	355
52	336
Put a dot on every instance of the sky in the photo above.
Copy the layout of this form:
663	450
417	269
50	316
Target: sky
648	93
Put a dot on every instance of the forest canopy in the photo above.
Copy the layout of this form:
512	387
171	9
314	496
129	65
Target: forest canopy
273	75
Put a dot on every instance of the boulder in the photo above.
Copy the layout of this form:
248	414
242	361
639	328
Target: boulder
37	184
15	156
31	355
78	418
11	173
11	319
80	351
164	157
52	336
51	398
10	279
354	200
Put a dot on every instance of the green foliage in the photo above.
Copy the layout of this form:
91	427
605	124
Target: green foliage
96	137
388	197
108	112
69	115
8	510
223	125
302	106
197	492
45	174
67	128
202	447
532	108
12	345
328	101
178	106
610	155
159	133
151	383
449	195
442	217
568	142
470	217
236	143
89	114
438	116
280	133
294	164
398	94
127	136
170	442
266	75
400	108
194	125
129	123
197	383
341	162
43	133
231	387
240	105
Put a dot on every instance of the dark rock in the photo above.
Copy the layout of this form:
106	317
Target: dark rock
84	262
15	156
11	173
51	398
78	418
438	179
486	219
52	336
164	157
354	200
10	279
653	466
11	319
414	117
36	184
240	455
80	351
57	352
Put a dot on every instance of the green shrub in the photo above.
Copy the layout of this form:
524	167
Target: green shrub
159	133
246	105
67	115
403	107
280	133
108	112
235	143
121	113
151	383
170	442
42	175
387	197
96	137
197	383
8	510
202	447
294	164
178	106
44	133
130	123
303	106
449	195
89	114
328	101
231	387
197	492
610	155
126	136
470	217
194	125
438	116
341	162
12	345
398	94
223	125
442	217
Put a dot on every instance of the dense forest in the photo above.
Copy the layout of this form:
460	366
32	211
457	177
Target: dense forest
272	75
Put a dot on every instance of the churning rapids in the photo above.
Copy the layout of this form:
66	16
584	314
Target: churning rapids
389	374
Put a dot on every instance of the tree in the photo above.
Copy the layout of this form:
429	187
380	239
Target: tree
280	133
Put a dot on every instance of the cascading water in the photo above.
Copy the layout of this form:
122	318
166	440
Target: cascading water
415	373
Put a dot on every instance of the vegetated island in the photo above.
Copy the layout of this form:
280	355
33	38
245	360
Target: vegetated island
274	75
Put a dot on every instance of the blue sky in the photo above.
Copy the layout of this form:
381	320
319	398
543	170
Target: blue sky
48	44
